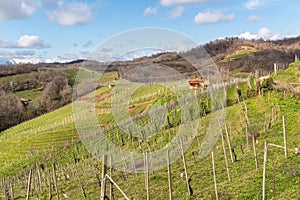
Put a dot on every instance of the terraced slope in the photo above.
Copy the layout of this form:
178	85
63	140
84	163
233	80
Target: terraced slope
51	140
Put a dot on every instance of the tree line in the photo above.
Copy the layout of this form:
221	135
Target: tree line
56	91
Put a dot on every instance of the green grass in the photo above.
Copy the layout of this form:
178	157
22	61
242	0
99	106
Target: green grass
71	74
18	77
243	172
295	64
239	54
30	91
30	94
290	75
53	138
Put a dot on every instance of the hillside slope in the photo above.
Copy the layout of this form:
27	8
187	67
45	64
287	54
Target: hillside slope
51	142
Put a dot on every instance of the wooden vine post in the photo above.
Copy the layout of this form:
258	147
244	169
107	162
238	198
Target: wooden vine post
185	169
147	176
264	171
225	157
50	184
229	144
11	190
284	138
214	173
247	137
254	151
169	175
29	185
247	124
111	184
55	181
265	123
39	179
103	184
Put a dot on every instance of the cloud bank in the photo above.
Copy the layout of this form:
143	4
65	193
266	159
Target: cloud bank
213	16
254	18
263	33
25	41
150	11
176	12
182	2
69	14
17	9
254	4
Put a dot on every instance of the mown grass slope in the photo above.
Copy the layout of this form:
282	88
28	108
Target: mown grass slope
52	138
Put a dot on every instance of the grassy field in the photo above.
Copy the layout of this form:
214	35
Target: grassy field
290	75
52	138
33	90
239	54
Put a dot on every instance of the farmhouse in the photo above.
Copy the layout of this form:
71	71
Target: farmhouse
196	83
24	101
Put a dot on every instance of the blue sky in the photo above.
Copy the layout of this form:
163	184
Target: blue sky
61	30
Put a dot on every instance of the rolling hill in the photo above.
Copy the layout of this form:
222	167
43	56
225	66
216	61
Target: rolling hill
48	151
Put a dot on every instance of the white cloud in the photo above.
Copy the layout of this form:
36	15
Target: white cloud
177	12
263	33
138	54
22	53
68	14
50	3
254	18
254	4
17	9
74	56
25	41
213	16
31	41
32	57
88	44
150	10
5	43
15	56
182	2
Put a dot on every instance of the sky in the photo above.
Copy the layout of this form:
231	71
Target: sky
64	30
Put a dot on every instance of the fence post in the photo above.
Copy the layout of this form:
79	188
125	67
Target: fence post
254	151
185	169
55	180
225	157
103	186
214	173
111	184
147	175
29	185
169	175
284	138
229	143
264	171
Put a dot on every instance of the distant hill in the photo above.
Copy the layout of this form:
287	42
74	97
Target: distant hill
49	149
230	54
5	62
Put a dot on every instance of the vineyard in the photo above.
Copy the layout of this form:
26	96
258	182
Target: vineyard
253	157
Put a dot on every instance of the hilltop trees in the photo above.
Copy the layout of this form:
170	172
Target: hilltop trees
267	84
11	110
56	92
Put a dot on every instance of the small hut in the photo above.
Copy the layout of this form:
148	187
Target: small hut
196	83
24	101
111	85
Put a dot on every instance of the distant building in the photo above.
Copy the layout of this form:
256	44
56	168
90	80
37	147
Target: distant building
196	83
24	101
111	85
